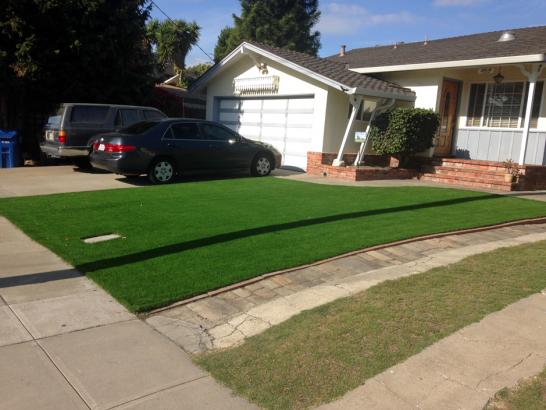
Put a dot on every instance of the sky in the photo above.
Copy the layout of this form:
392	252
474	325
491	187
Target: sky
369	23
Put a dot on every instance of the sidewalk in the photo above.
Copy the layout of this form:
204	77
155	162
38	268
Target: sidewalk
66	344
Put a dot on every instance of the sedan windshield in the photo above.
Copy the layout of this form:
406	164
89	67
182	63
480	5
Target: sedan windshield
139	127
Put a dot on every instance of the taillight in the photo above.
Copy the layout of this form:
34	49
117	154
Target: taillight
95	146
61	137
118	148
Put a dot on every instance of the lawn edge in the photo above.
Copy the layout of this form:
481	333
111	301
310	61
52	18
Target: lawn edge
224	289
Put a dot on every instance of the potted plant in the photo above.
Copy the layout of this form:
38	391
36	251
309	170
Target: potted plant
512	170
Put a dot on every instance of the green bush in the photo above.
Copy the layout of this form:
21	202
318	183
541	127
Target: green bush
403	132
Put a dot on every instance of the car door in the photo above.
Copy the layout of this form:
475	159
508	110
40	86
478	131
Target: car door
183	142
227	148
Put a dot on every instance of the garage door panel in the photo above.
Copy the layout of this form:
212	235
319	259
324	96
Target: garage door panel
306	104
285	123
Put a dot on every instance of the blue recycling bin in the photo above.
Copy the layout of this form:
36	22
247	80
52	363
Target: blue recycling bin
9	149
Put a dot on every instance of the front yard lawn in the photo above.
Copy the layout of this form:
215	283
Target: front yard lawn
185	239
323	353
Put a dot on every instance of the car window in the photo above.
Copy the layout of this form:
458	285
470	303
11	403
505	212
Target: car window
139	127
153	115
216	133
185	131
129	117
90	114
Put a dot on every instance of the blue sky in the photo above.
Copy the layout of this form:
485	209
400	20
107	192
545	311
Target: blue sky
367	23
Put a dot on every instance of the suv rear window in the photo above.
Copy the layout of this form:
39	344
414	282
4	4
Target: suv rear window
56	118
89	114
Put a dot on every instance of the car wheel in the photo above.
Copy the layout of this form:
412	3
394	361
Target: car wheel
162	171
262	165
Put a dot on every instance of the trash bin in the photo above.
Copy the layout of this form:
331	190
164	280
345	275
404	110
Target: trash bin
9	149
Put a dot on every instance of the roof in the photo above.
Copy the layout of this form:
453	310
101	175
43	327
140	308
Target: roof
529	42
328	71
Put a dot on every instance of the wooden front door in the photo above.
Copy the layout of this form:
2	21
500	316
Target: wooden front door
448	117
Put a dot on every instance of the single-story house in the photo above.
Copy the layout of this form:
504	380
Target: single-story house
487	88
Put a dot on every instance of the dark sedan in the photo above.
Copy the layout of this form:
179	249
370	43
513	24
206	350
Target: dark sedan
161	149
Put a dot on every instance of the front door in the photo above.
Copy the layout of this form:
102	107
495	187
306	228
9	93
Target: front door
448	117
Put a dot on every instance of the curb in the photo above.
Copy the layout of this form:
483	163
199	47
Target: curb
530	221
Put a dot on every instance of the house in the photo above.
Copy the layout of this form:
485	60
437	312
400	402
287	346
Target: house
487	88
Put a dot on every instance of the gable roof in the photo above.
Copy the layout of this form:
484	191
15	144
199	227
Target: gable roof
529	45
329	72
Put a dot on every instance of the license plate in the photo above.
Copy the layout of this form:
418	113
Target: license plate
101	147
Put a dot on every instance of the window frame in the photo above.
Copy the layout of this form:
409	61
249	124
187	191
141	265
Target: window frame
170	132
521	117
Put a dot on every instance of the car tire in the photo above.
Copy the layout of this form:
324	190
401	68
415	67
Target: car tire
162	171
262	164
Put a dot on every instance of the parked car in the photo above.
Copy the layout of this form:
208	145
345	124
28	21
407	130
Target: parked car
69	133
161	149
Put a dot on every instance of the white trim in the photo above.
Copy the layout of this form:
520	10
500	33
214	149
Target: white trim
530	58
245	47
356	102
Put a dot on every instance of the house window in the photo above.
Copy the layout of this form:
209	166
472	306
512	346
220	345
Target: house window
501	105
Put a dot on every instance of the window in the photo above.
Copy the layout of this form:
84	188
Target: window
153	115
184	131
129	117
475	105
216	133
90	114
502	105
140	127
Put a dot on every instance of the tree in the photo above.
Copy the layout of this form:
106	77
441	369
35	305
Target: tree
280	23
172	40
71	50
192	73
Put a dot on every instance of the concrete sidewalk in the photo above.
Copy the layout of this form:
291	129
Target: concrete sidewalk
66	344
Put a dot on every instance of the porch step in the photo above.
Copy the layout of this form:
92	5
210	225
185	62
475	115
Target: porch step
469	163
466	172
467	181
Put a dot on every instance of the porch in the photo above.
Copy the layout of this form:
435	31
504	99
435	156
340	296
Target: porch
477	174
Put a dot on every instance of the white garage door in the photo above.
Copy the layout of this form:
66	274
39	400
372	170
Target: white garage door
285	123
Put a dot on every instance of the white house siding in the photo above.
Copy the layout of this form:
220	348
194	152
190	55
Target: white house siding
494	144
302	100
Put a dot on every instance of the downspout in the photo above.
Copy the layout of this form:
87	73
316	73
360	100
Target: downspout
532	77
364	145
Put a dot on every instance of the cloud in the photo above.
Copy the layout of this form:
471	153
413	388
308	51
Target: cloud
458	2
345	19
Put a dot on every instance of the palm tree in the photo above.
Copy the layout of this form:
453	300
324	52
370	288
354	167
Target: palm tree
172	40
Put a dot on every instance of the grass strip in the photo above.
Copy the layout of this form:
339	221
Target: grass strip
529	394
185	239
320	354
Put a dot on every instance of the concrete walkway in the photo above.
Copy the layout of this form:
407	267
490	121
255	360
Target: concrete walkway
465	369
228	318
66	344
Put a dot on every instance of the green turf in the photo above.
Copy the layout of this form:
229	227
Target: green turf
528	394
185	239
320	354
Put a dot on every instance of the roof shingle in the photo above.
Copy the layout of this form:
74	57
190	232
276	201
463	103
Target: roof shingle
531	40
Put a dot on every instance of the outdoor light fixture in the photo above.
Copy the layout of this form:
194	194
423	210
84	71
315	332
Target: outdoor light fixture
499	77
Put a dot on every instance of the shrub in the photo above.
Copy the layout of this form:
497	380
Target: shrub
403	132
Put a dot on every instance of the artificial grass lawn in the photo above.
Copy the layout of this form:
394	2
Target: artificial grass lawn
185	239
322	353
529	394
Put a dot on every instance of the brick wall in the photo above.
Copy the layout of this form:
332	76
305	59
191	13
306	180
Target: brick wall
533	177
377	167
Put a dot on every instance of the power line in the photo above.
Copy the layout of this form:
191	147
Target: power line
172	21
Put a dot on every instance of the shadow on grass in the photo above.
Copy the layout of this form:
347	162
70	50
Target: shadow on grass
230	236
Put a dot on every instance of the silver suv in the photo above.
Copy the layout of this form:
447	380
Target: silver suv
69	133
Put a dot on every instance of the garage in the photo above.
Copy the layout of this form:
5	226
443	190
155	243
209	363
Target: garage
286	123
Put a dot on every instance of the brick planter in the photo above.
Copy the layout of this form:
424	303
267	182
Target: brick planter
377	167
